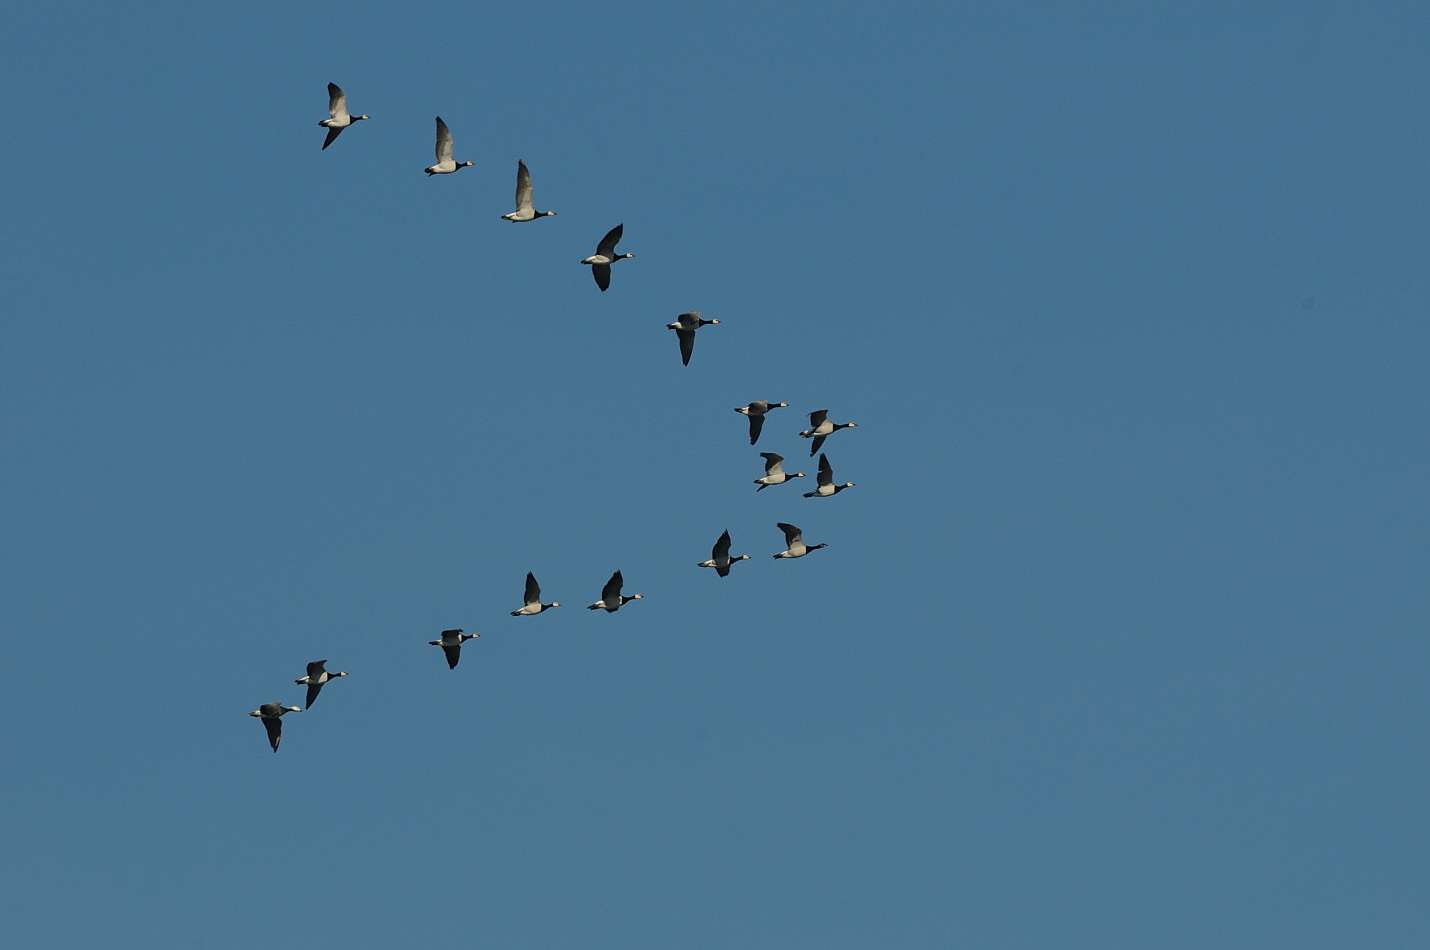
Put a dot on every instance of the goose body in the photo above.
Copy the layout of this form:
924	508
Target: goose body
775	473
315	679
822	427
756	413
445	164
720	558
611	597
451	643
531	599
794	542
272	715
605	256
824	481
685	326
525	209
338	116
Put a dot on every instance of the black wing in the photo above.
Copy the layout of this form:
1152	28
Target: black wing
817	417
331	137
826	471
721	548
756	424
771	460
313	690
602	273
533	590
792	533
315	668
275	731
818	441
607	247
687	345
453	655
612	590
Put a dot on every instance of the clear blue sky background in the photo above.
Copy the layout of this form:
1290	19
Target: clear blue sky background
1120	642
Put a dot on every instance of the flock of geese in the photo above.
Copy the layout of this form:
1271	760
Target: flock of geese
821	427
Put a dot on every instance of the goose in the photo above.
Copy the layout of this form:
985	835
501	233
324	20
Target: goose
685	326
774	471
826	487
720	558
756	413
315	679
794	542
611	598
272	715
605	256
525	210
820	428
338	117
531	600
451	644
445	165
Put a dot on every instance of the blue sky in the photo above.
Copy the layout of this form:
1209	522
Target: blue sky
1119	642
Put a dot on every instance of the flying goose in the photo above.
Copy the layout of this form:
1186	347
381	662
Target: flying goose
685	326
611	598
794	542
315	679
820	428
338	117
605	256
756	412
445	165
825	479
525	210
774	471
720	558
451	644
272	715
531	600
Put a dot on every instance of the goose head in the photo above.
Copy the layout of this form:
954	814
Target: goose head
359	118
740	557
465	164
546	214
622	256
554	603
779	405
797	475
708	323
